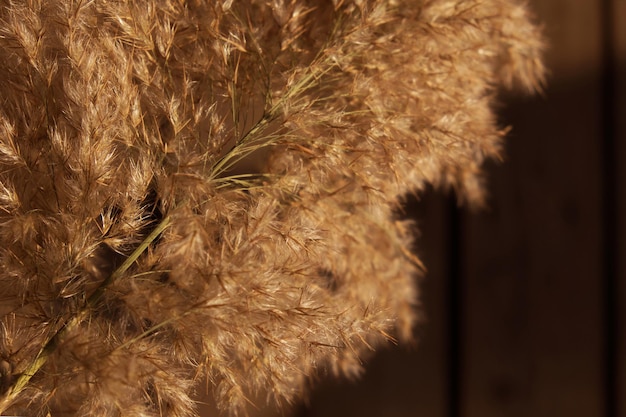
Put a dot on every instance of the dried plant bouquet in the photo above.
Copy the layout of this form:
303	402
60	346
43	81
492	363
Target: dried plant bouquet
203	190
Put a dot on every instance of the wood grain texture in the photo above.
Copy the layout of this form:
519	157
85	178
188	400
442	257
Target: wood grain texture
533	261
619	45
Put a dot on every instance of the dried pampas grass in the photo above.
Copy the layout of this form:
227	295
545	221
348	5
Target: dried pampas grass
204	190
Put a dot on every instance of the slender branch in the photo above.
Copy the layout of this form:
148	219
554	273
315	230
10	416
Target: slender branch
52	343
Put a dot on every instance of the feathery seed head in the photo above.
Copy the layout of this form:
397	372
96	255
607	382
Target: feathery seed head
204	191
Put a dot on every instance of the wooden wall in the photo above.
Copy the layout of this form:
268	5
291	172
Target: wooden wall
618	48
525	301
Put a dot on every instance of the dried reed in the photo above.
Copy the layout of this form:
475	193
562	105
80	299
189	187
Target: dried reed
204	190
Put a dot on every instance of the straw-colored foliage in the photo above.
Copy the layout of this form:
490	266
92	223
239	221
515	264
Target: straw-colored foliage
200	193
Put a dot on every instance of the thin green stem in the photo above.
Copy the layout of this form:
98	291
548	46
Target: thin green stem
53	342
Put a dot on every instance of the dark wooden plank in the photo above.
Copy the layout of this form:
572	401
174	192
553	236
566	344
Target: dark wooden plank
533	268
619	28
534	314
533	261
403	382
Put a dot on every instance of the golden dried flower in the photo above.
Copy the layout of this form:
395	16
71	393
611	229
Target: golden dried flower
204	190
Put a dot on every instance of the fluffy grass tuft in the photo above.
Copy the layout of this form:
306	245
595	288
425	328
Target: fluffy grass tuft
201	193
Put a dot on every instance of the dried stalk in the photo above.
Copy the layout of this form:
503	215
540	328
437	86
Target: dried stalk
115	113
53	342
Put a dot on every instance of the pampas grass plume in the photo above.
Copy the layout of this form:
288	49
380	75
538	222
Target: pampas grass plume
201	193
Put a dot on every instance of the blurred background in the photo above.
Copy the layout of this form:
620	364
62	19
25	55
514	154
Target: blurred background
525	300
